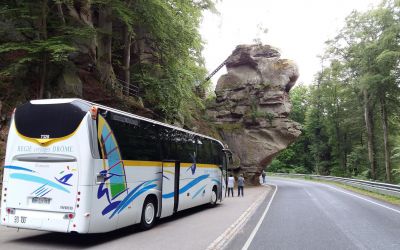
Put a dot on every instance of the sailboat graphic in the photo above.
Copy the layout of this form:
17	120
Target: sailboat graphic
193	166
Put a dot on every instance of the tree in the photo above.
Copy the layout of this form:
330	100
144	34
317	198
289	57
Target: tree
368	45
34	48
154	44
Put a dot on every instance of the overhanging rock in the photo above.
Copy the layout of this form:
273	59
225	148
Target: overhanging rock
252	107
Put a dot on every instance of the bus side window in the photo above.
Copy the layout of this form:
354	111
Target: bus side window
217	153
187	148
168	145
205	152
136	141
202	152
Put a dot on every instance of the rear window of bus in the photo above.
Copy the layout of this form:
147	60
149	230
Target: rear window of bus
49	120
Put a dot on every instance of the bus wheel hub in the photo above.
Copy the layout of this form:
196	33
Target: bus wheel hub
149	213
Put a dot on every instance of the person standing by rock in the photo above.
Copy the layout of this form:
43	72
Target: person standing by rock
231	184
263	176
240	184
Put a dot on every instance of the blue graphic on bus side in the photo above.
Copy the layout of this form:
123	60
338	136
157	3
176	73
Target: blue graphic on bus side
187	186
119	205
193	166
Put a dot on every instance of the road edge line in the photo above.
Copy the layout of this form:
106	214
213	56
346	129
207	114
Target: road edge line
223	240
253	233
364	199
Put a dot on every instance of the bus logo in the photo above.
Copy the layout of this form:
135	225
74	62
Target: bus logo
44	136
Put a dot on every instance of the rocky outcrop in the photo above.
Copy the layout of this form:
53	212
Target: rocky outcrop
252	107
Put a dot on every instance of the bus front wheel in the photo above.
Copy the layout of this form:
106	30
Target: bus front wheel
149	213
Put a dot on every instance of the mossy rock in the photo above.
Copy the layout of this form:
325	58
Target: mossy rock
229	127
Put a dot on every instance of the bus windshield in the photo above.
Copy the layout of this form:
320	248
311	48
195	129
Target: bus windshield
49	120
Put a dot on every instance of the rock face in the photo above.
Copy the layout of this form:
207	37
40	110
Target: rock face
252	107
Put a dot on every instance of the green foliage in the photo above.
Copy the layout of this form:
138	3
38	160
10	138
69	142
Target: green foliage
41	34
300	101
35	40
270	117
169	83
277	166
255	113
297	157
288	161
229	127
357	162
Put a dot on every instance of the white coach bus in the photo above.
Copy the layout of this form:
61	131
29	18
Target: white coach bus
76	166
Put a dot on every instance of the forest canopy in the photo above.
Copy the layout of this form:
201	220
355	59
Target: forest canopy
61	48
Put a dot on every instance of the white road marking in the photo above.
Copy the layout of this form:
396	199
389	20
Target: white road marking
365	199
223	240
253	233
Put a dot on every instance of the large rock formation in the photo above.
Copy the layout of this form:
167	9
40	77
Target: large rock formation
252	107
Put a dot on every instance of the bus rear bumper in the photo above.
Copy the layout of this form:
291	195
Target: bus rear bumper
42	220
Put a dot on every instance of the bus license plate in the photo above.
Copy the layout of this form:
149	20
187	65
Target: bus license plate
41	200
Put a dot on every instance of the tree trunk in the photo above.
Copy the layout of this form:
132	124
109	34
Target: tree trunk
370	133
345	152
43	35
340	143
60	11
127	58
386	140
318	129
43	76
80	13
1	106
104	41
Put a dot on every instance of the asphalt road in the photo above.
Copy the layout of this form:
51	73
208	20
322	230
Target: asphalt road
309	215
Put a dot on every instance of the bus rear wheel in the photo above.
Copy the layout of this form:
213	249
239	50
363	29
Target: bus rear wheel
149	213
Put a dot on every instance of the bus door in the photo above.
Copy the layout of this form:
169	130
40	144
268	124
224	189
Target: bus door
227	161
170	188
222	189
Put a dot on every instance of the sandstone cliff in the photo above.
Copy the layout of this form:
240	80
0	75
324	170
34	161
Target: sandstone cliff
252	107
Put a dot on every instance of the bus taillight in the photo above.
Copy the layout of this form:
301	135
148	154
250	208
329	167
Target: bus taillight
69	216
11	210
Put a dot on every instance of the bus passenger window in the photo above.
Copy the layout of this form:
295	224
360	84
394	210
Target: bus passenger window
136	140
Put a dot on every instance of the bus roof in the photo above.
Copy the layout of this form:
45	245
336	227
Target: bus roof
68	100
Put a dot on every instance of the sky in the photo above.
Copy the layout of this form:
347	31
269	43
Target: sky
298	28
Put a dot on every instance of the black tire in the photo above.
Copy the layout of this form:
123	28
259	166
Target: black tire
149	213
214	197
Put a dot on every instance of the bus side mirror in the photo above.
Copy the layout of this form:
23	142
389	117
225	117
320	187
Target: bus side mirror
228	154
230	159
